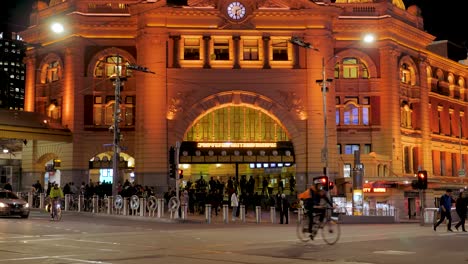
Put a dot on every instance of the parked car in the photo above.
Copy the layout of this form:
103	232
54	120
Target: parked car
11	205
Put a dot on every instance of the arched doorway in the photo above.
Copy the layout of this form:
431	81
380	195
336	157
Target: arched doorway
238	142
100	168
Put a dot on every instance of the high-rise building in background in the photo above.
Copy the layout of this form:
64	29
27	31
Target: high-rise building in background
12	71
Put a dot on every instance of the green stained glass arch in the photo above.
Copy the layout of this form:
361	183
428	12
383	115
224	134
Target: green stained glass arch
236	124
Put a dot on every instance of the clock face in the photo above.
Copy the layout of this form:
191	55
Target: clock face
236	10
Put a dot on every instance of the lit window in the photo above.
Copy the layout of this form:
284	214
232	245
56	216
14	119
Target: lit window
349	149
351	115
347	170
111	66
221	49
250	49
352	68
280	50
191	49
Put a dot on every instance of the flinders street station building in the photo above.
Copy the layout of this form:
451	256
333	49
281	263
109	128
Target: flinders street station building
273	89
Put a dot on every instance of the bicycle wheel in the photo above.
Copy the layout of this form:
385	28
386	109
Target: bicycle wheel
331	232
302	230
57	215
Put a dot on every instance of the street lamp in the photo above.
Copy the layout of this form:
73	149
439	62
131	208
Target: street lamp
59	28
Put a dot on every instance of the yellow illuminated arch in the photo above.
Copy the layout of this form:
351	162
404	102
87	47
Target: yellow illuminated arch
236	123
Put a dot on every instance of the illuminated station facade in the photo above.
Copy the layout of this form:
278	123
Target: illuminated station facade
238	83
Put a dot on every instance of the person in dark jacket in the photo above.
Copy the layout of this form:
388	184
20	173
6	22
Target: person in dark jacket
460	206
284	209
445	210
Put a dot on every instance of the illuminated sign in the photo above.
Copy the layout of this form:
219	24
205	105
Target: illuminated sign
374	190
236	145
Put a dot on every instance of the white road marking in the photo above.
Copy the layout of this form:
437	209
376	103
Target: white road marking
394	252
33	258
94	241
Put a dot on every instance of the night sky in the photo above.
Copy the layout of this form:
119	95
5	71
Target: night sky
443	19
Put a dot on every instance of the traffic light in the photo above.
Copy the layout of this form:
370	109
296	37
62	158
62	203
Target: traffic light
172	170
422	180
323	181
172	167
181	174
331	185
172	155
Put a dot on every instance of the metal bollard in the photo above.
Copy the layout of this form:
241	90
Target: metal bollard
163	206
41	200
258	214
142	206
208	213
225	213
80	202
125	206
242	213
300	214
159	208
396	215
110	204
183	211
95	204
273	215
30	199
67	202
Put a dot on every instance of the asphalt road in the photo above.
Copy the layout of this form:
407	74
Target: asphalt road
98	239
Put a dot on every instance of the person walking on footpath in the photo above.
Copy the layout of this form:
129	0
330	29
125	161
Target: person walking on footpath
460	206
234	204
445	210
284	209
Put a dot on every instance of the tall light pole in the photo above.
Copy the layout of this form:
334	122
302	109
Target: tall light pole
116	142
323	82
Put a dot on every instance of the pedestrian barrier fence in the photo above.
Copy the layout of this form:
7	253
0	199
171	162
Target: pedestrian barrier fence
155	207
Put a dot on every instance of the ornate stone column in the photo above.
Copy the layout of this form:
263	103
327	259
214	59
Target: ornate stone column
266	52
206	52
176	51
236	49
30	84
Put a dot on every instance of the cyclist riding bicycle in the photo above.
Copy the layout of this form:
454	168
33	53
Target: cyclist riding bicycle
313	198
55	195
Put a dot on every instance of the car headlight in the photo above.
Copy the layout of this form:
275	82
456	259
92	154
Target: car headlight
26	205
3	205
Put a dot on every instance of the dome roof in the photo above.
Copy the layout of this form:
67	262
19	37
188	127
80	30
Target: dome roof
397	3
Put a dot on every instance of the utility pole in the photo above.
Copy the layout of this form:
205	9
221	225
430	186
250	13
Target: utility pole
116	143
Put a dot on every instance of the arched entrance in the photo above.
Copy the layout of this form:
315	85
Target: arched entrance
238	142
100	168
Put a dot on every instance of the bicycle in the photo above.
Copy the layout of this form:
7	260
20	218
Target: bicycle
56	210
330	228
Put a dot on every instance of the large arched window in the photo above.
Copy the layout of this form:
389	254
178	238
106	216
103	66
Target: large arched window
236	123
51	72
111	66
351	68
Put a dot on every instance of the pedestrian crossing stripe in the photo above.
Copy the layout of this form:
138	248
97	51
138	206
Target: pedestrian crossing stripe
394	252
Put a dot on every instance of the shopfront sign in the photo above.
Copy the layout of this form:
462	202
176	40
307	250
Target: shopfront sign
236	145
374	190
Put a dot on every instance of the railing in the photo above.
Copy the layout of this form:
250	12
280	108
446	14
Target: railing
154	207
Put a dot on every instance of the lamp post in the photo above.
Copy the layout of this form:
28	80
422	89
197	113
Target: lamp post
116	142
323	82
